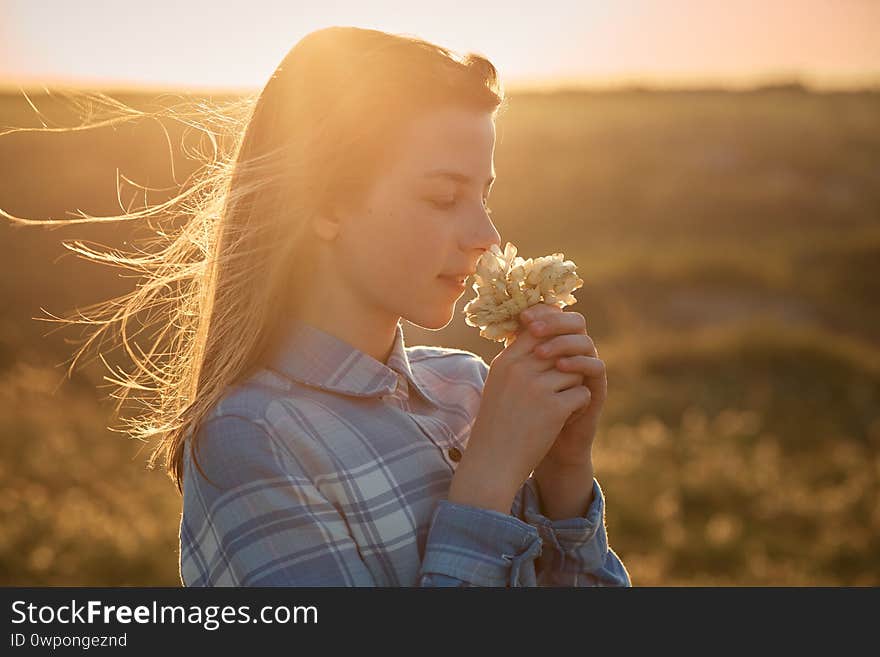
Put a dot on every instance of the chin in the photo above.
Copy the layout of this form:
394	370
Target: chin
432	321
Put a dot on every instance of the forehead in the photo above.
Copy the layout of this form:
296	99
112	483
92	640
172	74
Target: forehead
449	138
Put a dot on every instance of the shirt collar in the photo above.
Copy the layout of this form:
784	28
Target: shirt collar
312	356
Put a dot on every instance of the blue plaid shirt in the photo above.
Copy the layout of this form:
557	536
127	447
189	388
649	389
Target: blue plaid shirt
330	468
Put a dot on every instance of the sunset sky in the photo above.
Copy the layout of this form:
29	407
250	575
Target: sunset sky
227	44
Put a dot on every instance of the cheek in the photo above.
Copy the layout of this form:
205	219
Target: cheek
409	255
395	248
412	238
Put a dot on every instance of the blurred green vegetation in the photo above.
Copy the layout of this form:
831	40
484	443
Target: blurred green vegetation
730	247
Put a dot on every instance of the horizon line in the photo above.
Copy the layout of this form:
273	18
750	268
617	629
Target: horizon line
868	82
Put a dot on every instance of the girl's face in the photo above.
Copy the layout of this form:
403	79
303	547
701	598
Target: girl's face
425	217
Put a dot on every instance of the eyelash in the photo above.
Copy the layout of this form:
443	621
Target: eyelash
447	205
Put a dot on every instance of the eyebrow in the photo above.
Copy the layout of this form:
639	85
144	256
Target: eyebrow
454	175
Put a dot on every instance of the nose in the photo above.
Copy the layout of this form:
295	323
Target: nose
481	235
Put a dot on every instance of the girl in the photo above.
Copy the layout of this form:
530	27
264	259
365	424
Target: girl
311	446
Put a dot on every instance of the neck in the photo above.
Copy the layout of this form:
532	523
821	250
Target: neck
335	310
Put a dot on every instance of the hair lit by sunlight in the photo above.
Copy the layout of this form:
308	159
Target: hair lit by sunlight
217	271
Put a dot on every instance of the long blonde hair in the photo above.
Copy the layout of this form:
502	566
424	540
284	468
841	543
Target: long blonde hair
217	274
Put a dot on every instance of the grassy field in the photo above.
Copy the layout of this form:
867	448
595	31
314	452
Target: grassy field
730	247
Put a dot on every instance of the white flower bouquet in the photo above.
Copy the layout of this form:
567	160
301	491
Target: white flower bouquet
506	285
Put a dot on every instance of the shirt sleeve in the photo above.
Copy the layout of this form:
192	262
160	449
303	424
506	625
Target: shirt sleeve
472	546
575	550
259	521
253	517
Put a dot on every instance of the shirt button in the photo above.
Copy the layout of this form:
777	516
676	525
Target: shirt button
454	454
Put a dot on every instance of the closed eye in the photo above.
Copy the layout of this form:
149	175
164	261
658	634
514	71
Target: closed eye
443	205
448	205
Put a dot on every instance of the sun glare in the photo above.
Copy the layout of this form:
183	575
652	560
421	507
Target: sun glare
198	44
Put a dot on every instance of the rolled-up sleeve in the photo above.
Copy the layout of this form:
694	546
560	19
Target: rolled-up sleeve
472	546
575	550
571	551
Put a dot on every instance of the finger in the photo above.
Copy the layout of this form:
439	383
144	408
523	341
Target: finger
538	311
566	345
558	324
521	343
560	381
593	368
576	397
593	376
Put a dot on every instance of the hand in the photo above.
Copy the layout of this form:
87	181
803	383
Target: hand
525	403
569	349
